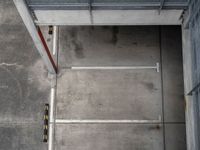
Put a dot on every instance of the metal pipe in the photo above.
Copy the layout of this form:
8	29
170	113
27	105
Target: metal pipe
64	121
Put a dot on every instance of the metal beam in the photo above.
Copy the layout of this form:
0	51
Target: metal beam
36	35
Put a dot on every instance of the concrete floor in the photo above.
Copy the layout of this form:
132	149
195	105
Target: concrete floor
130	94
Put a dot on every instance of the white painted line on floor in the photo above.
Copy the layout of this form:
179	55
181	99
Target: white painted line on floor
157	67
65	121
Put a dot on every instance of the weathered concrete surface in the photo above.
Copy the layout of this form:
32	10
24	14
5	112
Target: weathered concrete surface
113	94
111	46
24	87
21	137
173	88
109	137
175	137
118	94
109	95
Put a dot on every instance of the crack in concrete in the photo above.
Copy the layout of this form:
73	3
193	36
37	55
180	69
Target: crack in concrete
10	64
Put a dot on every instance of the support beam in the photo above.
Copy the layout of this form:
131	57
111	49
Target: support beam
36	35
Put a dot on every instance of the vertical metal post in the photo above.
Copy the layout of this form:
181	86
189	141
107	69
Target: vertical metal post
52	108
36	35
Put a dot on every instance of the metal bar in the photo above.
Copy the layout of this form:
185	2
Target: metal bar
194	89
63	121
115	67
36	35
